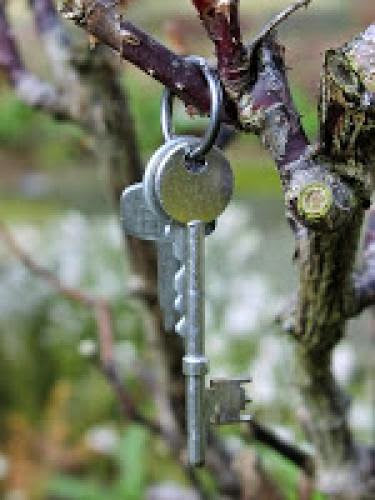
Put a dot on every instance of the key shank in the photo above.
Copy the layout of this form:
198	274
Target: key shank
195	364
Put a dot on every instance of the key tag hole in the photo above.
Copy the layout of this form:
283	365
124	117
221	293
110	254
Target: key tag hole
194	165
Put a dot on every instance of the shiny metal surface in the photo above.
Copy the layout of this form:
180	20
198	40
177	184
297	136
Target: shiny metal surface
136	217
167	268
195	364
178	234
140	221
187	194
176	206
205	144
149	177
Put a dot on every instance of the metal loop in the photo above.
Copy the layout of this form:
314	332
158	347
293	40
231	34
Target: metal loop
216	100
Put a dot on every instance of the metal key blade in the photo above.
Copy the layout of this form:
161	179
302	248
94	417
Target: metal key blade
195	364
140	221
167	268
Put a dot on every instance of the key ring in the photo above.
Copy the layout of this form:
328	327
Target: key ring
216	100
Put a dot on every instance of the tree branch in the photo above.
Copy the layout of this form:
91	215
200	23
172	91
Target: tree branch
221	20
290	451
101	20
326	256
103	318
267	108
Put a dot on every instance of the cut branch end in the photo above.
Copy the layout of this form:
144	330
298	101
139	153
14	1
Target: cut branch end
315	201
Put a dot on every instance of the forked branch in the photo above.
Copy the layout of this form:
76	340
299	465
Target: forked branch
221	20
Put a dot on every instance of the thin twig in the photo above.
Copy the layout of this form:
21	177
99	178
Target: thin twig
222	23
277	20
290	451
100	19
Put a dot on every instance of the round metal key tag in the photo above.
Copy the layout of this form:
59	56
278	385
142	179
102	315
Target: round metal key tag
189	189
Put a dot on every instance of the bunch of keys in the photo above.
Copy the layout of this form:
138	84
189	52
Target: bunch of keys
187	184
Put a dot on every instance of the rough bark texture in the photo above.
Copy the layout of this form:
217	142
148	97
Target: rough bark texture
365	279
326	261
327	190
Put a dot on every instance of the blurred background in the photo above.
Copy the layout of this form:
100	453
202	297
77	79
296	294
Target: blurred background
54	198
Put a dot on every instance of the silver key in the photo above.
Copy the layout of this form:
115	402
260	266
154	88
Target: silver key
171	244
141	222
142	217
192	195
191	192
174	206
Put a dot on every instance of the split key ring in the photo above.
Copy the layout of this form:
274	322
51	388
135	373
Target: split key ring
212	130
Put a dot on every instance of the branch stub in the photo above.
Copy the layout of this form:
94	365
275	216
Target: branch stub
315	201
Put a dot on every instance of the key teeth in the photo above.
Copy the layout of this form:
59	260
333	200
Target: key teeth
180	280
181	327
179	304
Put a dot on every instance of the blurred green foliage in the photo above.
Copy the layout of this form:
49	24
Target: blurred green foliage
307	107
130	459
16	120
285	474
35	135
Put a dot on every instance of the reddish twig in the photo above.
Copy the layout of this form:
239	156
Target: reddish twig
270	111
101	20
44	273
221	20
